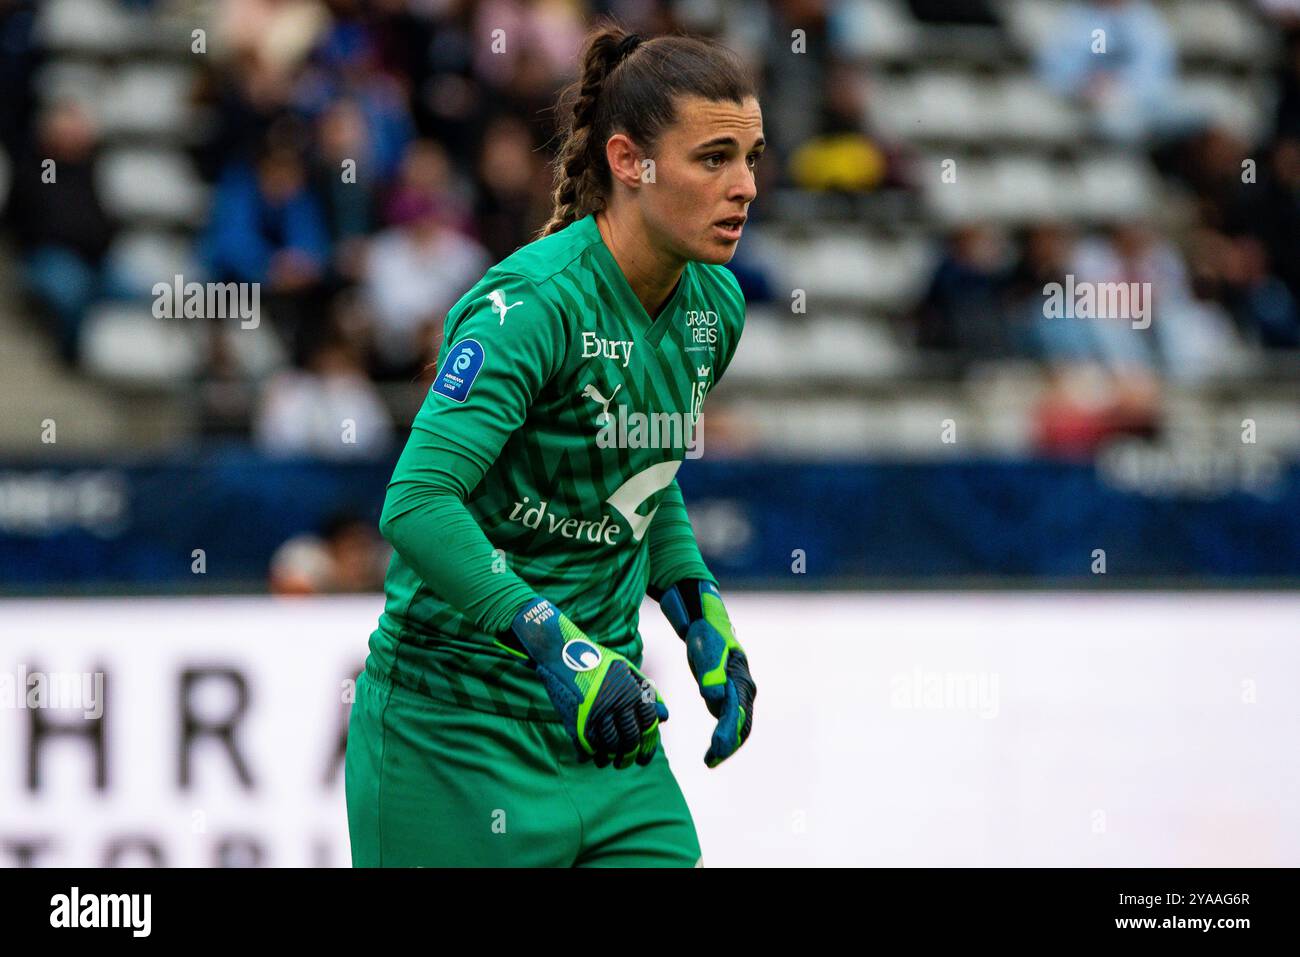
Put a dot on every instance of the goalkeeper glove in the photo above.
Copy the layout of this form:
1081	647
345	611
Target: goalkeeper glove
611	711
697	614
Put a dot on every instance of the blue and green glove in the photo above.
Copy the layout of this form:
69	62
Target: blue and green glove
611	711
697	614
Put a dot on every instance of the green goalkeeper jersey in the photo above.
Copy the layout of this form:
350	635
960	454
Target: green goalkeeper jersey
543	462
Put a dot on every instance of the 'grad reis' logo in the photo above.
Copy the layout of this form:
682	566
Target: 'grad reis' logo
703	324
459	370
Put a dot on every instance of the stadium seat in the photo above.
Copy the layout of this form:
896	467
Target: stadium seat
1027	188
1242	107
152	184
1117	186
145	257
1011	188
809	428
93	26
849	349
872	28
1025	109
849	268
1214	28
127	343
72	80
763	356
1030	22
147	99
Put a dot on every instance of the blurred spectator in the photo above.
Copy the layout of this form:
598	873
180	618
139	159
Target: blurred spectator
512	188
755	280
1046	256
343	180
1214	173
546	32
444	110
794	86
954	12
1285	12
1233	270
1084	407
428	176
448	99
1187	338
1276	219
963	309
523	53
348	556
62	227
267	228
415	272
247	97
19	56
330	409
841	155
1117	57
346	65
1287	116
277	35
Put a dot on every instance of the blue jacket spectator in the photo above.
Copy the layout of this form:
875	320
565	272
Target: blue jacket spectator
1118	57
266	226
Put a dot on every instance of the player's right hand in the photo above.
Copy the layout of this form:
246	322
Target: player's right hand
611	711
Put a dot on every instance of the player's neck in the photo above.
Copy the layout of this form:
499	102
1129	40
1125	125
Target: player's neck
652	276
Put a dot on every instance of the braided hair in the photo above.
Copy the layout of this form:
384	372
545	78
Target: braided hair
627	84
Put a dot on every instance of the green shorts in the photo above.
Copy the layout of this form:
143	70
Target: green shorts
430	783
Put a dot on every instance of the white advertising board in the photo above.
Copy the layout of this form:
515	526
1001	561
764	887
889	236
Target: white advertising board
899	730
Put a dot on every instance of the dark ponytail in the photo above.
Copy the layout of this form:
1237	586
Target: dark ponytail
627	84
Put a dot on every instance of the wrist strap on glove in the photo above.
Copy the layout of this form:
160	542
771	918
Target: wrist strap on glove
683	603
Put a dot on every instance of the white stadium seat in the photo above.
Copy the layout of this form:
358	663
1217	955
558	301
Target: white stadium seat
1241	107
1120	186
100	26
147	99
843	266
1214	28
1030	22
146	257
1028	110
72	80
865	28
125	342
152	184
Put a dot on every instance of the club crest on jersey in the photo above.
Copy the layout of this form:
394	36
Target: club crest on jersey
459	370
580	655
698	393
499	304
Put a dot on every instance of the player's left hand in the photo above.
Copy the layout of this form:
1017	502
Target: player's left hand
717	661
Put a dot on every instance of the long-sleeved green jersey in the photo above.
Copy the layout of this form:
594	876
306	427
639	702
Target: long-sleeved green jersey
543	462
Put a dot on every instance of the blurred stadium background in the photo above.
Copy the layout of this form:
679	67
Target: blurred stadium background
1097	526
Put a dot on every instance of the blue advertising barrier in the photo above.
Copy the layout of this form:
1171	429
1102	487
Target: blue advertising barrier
758	522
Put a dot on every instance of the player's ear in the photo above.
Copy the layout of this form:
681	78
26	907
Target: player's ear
624	159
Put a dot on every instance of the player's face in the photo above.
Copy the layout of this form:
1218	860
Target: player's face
704	176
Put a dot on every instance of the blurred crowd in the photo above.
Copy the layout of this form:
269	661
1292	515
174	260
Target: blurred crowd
1223	288
369	159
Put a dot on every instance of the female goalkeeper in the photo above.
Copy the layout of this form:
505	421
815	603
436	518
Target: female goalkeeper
501	718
